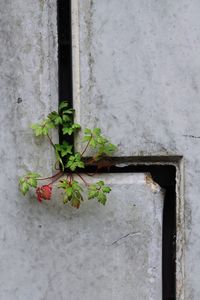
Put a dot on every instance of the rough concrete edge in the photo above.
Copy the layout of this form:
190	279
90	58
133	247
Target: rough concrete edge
178	163
118	178
76	64
53	52
154	186
175	161
180	231
53	69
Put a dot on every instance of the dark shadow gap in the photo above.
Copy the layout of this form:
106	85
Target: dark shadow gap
164	175
64	56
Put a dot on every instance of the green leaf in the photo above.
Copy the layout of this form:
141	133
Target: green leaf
87	131
43	128
86	138
99	143
32	182
75	202
92	194
27	181
75	162
93	143
106	189
33	175
38	130
72	192
69	111
63	149
58	120
98	190
24	188
66	119
63	104
65	199
76	126
80	164
67	130
102	198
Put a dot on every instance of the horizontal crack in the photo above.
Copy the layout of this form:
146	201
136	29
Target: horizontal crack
124	236
191	136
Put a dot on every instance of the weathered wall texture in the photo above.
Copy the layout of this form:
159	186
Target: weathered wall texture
50	251
140	82
28	82
55	252
28	87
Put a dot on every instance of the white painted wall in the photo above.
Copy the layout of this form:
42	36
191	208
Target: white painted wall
51	251
136	71
140	81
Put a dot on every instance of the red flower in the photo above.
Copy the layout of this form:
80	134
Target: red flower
44	192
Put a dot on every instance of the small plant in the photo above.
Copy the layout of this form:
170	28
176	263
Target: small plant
69	162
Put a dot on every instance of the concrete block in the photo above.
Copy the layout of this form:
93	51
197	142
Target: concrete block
52	251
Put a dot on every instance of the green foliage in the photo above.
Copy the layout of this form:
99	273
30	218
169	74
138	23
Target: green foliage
75	162
55	118
69	129
98	142
42	128
99	191
61	151
27	181
64	149
68	160
64	118
72	192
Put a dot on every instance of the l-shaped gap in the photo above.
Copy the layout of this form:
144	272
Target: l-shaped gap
164	175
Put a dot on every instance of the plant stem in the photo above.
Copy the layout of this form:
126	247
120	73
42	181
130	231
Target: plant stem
50	140
82	179
70	178
86	146
54	180
51	177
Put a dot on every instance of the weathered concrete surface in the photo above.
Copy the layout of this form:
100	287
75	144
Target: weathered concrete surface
52	251
28	86
140	81
28	82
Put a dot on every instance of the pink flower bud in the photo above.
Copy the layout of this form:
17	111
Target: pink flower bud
44	192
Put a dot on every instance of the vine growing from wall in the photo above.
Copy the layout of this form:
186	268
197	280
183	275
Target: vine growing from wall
68	162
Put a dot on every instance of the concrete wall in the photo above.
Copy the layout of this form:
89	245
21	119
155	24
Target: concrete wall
136	75
51	251
139	81
28	86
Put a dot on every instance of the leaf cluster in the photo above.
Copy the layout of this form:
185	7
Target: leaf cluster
75	162
98	142
99	191
72	192
42	129
27	181
63	150
70	161
64	118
